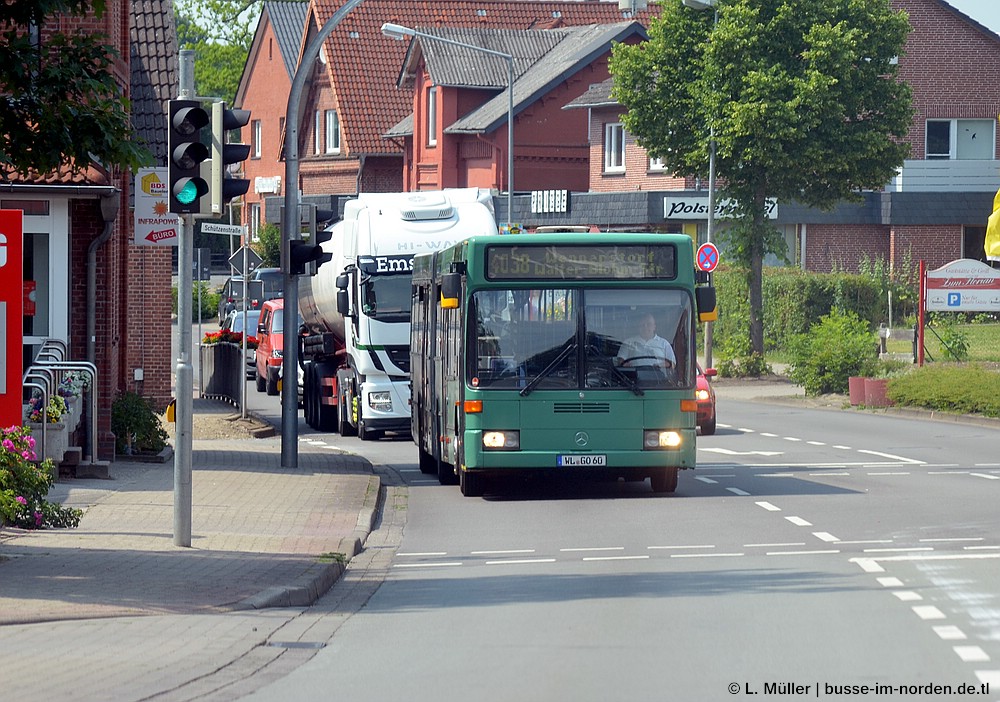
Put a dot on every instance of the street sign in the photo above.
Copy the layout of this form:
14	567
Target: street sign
216	228
153	223
201	264
252	258
708	257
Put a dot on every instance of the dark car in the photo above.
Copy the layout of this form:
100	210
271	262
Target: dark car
234	322
705	394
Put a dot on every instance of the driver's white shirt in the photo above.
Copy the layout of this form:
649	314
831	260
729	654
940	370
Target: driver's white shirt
656	346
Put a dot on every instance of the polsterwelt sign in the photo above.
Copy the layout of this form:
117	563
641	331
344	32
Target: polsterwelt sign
675	207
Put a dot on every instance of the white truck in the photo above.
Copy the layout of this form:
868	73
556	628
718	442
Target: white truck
354	344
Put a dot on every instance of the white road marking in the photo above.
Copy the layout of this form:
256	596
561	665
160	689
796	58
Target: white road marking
425	565
868	541
908	595
890	472
737	491
789	543
986	465
727	452
990	677
616	558
773	475
655	548
949	632
791	438
798	521
703	555
971	654
408	470
902	549
768	506
985	475
926	612
892	456
957	538
842	447
769	435
816	443
706	480
869	565
980	548
800	553
596	548
823	475
825	536
890	582
502	552
520	561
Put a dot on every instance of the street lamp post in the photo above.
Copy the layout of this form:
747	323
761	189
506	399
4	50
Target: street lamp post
396	31
710	225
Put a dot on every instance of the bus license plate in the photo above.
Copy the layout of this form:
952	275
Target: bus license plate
577	460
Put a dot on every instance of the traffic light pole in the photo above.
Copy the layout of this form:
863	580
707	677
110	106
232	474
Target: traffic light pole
184	371
291	230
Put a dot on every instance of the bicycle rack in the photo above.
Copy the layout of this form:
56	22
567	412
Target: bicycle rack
92	370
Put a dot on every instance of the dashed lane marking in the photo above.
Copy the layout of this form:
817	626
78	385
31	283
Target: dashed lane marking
798	521
737	491
801	553
825	536
768	506
949	632
927	612
971	654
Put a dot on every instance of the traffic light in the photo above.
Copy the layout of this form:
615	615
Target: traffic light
319	220
186	145
224	187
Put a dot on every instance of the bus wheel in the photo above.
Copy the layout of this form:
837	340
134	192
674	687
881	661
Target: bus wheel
446	473
471	484
665	480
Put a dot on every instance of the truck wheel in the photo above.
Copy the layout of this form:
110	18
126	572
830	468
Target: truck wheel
260	381
271	386
326	419
343	418
665	480
308	406
428	465
324	415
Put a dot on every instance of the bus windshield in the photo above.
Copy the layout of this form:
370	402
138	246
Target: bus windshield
386	297
575	338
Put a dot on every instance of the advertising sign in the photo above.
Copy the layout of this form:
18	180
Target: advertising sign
697	208
154	223
11	322
965	285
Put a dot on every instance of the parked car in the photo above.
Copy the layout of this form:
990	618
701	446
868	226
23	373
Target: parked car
270	345
264	284
705	394
234	323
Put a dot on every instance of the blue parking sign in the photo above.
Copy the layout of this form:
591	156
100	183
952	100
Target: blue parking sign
954	299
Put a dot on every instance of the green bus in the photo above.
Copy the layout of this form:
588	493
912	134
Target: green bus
534	352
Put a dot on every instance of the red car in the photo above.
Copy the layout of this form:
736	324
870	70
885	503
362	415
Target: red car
705	394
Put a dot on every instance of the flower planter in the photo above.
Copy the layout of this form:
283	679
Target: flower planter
856	390
875	392
55	445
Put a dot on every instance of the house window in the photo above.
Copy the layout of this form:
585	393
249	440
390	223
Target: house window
656	164
960	139
318	133
432	139
332	132
614	148
255	138
254	221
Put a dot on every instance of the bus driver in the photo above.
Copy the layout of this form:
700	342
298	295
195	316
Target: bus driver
646	348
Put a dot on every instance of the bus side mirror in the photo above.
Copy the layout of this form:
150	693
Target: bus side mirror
705	299
451	286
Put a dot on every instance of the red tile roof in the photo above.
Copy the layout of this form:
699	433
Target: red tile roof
67	174
364	64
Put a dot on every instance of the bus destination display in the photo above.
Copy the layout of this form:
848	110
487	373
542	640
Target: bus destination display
581	262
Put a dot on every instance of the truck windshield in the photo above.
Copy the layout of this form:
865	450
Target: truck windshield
386	297
594	338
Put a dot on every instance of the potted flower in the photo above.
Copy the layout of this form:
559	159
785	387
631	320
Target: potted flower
24	483
56	435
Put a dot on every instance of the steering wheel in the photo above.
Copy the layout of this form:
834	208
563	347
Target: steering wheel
666	362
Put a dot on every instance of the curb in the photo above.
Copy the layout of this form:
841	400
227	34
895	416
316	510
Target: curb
318	580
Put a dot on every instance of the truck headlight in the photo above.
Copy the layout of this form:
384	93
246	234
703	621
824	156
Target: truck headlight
502	440
380	401
654	439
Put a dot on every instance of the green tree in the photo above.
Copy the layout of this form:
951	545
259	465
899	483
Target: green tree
802	97
220	33
59	102
268	245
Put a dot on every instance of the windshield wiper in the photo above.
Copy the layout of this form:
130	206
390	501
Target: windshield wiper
563	355
633	385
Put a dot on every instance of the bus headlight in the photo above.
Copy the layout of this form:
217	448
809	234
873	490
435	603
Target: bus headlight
653	439
380	401
502	440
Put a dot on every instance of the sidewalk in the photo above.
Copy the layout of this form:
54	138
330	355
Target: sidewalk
261	535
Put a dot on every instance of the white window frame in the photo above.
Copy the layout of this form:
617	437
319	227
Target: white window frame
318	133
432	139
332	132
954	128
255	137
656	164
614	147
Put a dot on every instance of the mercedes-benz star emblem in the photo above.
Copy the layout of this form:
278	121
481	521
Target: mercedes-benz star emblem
581	438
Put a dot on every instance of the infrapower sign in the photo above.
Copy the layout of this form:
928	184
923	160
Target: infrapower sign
154	224
965	285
